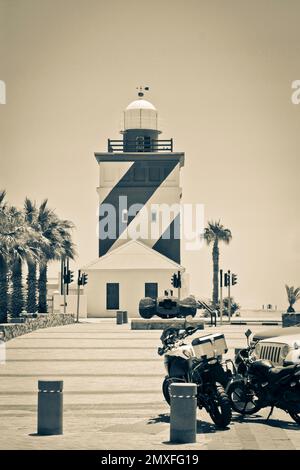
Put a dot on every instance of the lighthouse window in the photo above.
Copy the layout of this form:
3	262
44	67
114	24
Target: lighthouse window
139	174
140	144
153	216
154	173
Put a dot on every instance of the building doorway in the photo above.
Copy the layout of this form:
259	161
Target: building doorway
112	296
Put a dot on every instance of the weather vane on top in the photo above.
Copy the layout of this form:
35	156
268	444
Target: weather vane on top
141	90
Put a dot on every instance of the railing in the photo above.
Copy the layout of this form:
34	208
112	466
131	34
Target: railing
151	145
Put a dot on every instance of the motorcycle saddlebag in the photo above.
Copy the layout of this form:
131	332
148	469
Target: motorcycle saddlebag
210	346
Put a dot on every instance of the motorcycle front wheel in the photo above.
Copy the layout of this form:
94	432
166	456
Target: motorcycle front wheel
166	386
243	398
219	407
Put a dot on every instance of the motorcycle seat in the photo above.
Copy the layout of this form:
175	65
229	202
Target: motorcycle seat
277	373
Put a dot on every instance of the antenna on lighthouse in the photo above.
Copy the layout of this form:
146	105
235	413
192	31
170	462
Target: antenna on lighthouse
141	90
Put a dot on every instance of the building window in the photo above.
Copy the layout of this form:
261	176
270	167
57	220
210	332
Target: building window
151	289
112	296
153	216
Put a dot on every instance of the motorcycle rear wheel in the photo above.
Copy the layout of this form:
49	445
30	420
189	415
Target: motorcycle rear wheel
166	386
220	407
242	398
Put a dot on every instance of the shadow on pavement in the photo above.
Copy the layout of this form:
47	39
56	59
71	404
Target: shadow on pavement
203	427
258	419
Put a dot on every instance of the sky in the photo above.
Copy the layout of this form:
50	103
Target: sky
220	75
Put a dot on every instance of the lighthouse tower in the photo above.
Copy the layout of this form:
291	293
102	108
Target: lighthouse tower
139	215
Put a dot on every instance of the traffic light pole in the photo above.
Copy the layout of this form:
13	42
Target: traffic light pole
229	298
68	268
221	296
62	270
78	296
65	293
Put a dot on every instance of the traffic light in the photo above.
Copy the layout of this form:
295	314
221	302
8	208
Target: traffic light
68	276
233	279
174	280
226	280
65	276
84	279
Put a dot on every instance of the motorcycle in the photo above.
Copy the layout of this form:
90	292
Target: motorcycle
198	362
258	384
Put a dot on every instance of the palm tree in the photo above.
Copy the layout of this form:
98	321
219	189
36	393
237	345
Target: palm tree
23	247
3	262
293	295
214	233
60	245
38	243
14	237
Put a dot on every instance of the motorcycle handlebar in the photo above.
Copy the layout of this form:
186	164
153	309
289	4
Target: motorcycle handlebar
169	341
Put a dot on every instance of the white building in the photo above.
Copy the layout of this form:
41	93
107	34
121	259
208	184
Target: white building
119	279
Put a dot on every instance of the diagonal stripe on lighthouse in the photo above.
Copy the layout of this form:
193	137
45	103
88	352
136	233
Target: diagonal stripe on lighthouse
106	186
169	243
164	194
138	193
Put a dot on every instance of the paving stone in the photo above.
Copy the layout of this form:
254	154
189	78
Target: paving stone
112	393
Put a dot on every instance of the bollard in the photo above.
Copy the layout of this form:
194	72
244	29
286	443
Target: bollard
119	317
50	407
183	418
125	316
2	348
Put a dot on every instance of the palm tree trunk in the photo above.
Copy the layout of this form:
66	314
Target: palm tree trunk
31	287
42	284
215	256
3	291
17	297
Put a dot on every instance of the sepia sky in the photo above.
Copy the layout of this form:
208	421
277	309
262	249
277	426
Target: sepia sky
220	75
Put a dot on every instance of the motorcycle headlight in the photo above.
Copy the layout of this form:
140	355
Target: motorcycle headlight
187	353
257	349
285	350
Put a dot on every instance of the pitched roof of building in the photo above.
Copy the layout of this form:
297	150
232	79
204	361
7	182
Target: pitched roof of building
133	255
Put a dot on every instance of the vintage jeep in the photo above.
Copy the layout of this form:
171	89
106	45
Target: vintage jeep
167	306
279	350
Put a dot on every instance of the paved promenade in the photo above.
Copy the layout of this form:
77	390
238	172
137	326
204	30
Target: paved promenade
112	393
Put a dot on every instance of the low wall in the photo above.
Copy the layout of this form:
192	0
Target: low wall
290	319
12	330
161	324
